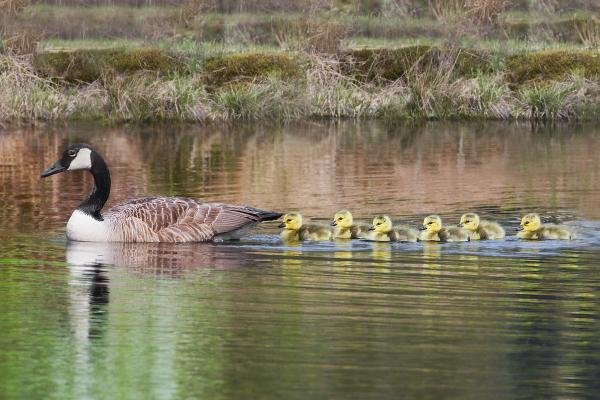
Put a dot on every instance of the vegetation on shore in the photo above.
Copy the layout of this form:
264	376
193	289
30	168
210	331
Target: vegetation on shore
282	67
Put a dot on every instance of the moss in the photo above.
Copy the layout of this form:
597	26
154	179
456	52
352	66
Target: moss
392	64
87	65
249	67
552	65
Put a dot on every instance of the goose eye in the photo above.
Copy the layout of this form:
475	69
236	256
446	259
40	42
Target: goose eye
71	153
340	218
288	220
379	223
466	222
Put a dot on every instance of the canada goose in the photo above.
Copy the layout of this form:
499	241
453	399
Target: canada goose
296	230
150	219
434	231
345	227
481	229
533	229
383	231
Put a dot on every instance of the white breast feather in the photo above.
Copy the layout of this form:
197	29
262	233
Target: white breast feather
83	228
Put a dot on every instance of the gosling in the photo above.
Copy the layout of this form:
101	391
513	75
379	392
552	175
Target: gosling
344	227
382	231
434	231
533	229
481	229
294	230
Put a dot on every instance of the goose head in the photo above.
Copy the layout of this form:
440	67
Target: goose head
432	223
343	219
292	221
531	222
79	156
469	221
381	224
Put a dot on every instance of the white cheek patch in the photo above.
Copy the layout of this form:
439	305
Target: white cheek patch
83	160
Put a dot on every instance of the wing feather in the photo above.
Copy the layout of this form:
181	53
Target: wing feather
177	219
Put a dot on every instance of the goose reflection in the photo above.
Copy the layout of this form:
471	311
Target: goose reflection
159	259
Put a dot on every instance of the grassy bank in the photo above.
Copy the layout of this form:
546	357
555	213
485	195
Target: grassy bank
133	84
124	64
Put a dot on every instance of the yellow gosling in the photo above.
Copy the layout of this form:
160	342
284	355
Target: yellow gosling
295	230
533	229
383	231
434	231
481	229
344	227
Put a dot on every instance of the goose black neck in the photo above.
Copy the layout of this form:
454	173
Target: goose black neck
101	190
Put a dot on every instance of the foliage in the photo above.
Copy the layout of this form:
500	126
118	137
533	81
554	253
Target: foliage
88	65
552	65
248	67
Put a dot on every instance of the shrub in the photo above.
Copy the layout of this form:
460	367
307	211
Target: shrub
248	67
392	64
88	65
552	65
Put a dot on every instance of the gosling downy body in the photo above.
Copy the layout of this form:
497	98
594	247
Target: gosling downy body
344	227
383	231
481	229
434	231
533	229
295	230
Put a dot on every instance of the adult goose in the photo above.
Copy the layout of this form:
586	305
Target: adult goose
149	219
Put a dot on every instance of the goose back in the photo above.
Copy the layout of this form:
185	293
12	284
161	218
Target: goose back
178	219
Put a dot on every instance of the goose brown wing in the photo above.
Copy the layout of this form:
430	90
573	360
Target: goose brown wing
175	219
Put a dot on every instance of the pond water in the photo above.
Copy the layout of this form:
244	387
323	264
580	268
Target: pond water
260	319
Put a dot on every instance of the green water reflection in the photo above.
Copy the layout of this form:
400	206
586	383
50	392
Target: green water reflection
260	319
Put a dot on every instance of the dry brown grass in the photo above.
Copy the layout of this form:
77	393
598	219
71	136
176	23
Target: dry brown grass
312	36
13	7
589	32
461	17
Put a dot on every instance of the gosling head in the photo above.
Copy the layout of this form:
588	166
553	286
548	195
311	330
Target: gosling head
381	224
342	219
75	157
469	221
292	221
432	223
531	222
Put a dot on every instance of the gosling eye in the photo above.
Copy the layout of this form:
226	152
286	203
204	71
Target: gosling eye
379	223
429	223
466	222
288	220
526	223
71	153
340	218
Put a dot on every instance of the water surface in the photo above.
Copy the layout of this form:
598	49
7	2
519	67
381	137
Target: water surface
261	319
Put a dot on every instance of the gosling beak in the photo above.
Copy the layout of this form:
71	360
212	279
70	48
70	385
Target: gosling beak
55	169
281	225
372	228
334	223
422	228
460	225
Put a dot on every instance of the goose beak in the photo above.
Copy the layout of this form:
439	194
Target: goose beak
55	169
334	223
281	225
372	228
422	228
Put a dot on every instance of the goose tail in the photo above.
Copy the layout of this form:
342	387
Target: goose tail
267	215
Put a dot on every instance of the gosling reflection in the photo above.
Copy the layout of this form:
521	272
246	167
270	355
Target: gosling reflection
158	259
